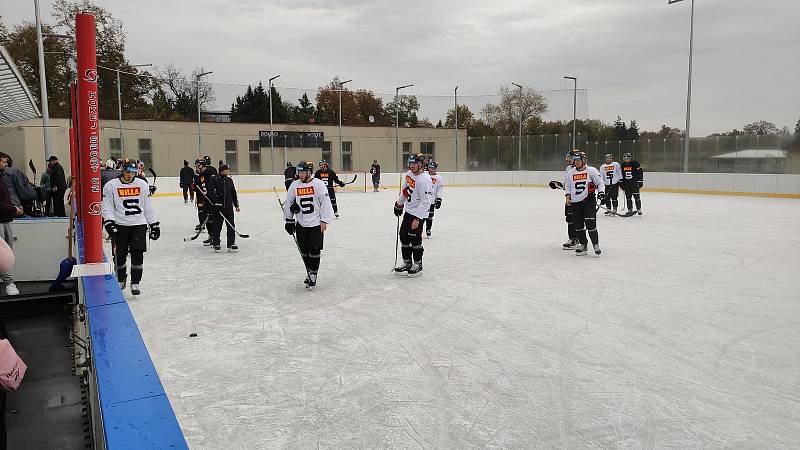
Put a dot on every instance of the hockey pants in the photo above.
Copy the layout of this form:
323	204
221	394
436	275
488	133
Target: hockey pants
584	213
411	239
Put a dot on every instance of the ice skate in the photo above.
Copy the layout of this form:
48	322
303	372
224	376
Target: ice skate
415	270
614	211
233	248
217	248
122	285
581	250
312	281
11	289
607	213
428	233
135	289
336	214
596	249
207	241
570	244
639	212
401	270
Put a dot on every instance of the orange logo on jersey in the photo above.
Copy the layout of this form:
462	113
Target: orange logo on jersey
323	174
627	168
410	181
308	190
435	180
129	191
580	176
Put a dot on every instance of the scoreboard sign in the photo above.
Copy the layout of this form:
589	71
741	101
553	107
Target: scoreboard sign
292	138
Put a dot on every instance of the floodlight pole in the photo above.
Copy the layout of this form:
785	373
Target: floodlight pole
574	111
271	132
397	126
119	105
455	114
341	148
42	82
197	92
519	149
689	88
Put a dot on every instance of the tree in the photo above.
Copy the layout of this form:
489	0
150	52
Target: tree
633	131
620	129
439	124
182	92
425	123
465	117
760	128
370	105
162	107
304	113
797	128
253	106
514	106
405	107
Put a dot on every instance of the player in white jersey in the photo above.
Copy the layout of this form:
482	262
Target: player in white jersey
415	199
127	211
308	212
436	194
580	184
572	243
612	174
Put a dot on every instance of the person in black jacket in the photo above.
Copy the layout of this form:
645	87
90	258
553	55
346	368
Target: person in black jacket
632	182
203	173
290	174
222	193
58	183
186	178
7	213
327	175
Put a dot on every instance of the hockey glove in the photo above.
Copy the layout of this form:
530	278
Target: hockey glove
601	196
341	184
294	208
289	226
438	203
155	231
111	227
152	190
398	210
641	184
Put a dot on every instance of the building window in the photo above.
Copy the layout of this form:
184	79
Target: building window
230	154
255	156
406	152
146	152
347	155
326	150
115	145
428	149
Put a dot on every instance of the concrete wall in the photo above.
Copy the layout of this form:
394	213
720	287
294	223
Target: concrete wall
705	183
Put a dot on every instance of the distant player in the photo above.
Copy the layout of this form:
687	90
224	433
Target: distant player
289	175
580	184
436	189
612	174
632	182
572	243
375	171
328	176
222	193
127	211
308	211
415	199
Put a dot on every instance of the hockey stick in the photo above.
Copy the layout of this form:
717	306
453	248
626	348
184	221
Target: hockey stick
37	204
396	244
294	236
155	177
241	235
199	231
354	180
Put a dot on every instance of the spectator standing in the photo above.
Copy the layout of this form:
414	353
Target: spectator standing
7	213
58	183
186	179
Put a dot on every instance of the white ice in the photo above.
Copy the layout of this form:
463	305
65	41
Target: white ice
685	333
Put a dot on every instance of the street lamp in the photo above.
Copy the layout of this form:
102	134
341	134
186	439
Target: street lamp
43	77
574	109
397	127
341	149
271	148
519	149
119	105
455	114
689	89
197	92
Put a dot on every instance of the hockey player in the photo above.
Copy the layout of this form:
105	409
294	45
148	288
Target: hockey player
436	194
127	212
222	194
308	211
612	173
203	174
632	181
415	199
328	176
572	243
289	175
580	184
375	171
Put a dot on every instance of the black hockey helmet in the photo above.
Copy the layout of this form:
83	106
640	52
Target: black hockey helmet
627	157
130	165
433	165
288	164
305	166
416	159
207	160
199	162
321	162
609	156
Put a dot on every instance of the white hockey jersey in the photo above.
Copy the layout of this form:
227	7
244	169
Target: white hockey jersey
580	183
438	186
314	202
417	194
612	173
128	204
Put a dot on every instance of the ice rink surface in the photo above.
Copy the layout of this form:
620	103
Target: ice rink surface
685	333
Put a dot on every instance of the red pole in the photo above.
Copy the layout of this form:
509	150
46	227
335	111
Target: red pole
73	148
89	138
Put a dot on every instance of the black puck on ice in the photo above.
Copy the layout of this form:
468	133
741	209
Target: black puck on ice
192	334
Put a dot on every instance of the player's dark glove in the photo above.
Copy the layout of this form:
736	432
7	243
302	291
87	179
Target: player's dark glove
294	208
289	226
341	184
641	184
111	227
152	190
155	231
601	196
398	210
438	203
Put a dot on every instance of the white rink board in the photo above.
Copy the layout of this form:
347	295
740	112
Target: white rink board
683	334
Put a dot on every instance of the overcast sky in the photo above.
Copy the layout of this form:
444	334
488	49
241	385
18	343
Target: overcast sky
631	55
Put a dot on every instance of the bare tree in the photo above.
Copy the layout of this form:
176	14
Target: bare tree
512	107
183	92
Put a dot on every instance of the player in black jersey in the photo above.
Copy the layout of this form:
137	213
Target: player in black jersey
289	175
632	182
328	176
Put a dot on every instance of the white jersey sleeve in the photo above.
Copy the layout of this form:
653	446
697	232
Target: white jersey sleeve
128	204
438	186
596	179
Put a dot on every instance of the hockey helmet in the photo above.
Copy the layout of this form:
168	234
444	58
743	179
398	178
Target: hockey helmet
305	166
130	165
288	164
609	156
415	159
627	157
199	162
322	162
110	165
207	160
433	165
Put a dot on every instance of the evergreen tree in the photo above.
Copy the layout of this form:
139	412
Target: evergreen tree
620	129
633	131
